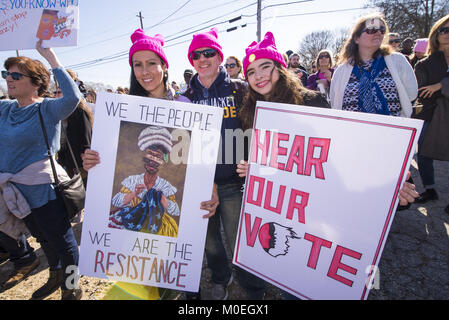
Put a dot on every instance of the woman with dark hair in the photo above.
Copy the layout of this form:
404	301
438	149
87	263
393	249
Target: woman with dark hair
371	77
149	78
24	158
269	80
321	79
432	74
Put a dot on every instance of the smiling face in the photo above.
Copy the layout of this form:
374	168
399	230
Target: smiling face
207	68
149	71
262	76
21	88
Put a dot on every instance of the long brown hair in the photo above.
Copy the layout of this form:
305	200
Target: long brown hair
38	73
288	89
350	51
434	44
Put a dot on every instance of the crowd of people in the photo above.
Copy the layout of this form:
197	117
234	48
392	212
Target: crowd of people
375	72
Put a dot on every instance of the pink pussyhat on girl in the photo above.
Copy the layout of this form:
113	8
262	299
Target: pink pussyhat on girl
265	49
143	42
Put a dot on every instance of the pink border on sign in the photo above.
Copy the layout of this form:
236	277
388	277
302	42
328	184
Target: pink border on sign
390	213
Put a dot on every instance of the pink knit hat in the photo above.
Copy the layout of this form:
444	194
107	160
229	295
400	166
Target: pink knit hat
265	49
205	40
143	42
421	45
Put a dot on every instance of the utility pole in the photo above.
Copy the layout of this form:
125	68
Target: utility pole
259	20
141	21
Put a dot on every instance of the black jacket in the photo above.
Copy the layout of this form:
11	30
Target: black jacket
428	71
79	134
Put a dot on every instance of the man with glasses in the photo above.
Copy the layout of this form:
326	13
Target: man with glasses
213	86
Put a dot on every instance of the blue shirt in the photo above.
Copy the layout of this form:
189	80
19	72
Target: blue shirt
21	138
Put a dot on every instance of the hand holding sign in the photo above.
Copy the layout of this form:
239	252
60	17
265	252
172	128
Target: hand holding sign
48	54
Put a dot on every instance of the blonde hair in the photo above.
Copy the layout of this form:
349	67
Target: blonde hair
434	44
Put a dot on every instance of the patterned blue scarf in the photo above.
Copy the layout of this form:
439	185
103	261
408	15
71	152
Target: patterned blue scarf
371	97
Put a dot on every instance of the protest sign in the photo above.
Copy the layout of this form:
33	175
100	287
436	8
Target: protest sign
320	196
23	23
143	222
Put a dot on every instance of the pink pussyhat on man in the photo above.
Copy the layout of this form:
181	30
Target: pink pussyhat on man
143	42
265	49
207	39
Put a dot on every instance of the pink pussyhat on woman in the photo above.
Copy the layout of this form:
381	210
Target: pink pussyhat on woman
421	45
143	42
265	49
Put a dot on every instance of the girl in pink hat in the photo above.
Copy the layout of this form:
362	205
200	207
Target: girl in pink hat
269	80
149	78
265	71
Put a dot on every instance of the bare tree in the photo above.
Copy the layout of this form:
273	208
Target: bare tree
314	42
411	18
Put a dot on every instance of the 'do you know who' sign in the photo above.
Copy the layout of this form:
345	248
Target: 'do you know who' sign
24	22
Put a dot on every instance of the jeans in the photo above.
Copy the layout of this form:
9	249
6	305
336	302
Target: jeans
425	164
21	254
50	225
227	215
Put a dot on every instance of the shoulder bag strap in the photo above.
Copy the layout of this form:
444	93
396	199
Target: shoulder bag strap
53	168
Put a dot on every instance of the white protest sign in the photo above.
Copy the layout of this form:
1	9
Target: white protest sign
24	22
320	197
143	222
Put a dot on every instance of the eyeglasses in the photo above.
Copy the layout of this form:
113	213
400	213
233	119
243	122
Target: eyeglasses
14	75
375	30
394	41
57	92
231	65
444	30
207	53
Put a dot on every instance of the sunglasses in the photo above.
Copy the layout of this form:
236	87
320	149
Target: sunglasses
444	30
14	75
207	53
57	92
394	41
323	56
375	30
231	65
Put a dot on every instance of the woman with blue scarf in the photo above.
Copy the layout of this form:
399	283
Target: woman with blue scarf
371	78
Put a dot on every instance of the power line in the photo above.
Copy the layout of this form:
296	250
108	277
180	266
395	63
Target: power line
170	15
285	4
120	55
175	37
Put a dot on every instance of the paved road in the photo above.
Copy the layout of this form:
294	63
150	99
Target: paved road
415	261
